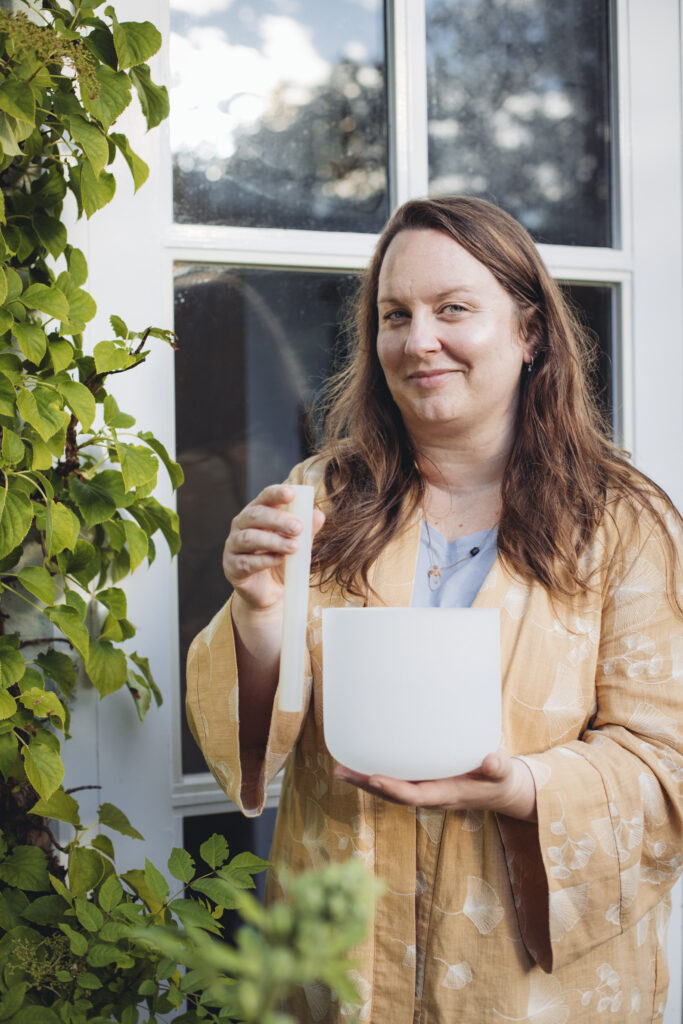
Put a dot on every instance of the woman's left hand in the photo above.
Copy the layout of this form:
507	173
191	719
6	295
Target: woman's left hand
501	783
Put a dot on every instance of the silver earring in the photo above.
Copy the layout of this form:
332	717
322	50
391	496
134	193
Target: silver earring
530	364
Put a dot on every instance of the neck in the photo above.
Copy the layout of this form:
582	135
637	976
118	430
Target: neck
462	469
462	485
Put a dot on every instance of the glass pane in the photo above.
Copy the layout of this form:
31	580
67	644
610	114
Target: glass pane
255	346
519	111
595	306
278	113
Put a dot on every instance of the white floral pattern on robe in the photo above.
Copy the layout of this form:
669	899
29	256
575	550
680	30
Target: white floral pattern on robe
559	921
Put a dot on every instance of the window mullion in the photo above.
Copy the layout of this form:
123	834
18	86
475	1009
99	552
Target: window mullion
407	98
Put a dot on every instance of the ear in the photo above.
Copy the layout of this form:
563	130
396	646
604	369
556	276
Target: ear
531	336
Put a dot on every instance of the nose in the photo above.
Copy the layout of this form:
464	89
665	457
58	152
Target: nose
422	336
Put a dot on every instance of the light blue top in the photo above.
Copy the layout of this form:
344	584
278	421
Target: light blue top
460	585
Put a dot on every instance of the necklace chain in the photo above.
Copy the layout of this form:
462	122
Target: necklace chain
435	570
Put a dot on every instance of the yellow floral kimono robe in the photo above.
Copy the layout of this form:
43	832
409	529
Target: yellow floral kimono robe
486	918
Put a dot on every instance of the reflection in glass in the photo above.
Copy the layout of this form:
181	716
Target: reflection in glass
278	113
519	111
255	346
594	305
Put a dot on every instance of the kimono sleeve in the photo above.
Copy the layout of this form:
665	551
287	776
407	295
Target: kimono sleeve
212	706
608	843
212	703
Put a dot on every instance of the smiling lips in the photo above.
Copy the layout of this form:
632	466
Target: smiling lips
431	378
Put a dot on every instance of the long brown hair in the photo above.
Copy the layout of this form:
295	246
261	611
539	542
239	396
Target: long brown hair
562	465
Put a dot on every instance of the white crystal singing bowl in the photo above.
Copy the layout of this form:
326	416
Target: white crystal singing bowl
411	692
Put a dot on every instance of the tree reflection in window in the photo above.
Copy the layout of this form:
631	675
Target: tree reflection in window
519	111
278	114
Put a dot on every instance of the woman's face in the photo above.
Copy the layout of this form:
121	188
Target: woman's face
448	340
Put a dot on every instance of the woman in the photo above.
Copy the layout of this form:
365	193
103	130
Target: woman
465	462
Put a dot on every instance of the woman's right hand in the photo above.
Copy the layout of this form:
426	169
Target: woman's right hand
260	537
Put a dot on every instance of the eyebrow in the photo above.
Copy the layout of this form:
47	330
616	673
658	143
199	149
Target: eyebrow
458	289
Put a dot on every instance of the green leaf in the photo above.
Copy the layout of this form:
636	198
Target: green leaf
77	941
34	1014
44	911
138	168
110	356
6	320
9	143
106	667
181	865
8	397
67	620
59	667
38	582
218	890
92	141
110	893
63	528
143	665
137	881
61	354
3	282
89	981
80	400
118	326
44	769
43	704
51	233
47	299
89	916
12	664
136	539
138	465
191	913
12	447
61	806
11	367
214	850
25	868
160	518
16	517
114	599
8	705
104	845
96	191
114	96
40	408
32	341
9	745
78	266
13	998
95	501
113	416
174	469
241	868
16	100
134	41
114	818
15	285
101	955
156	883
61	889
86	868
82	308
153	98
